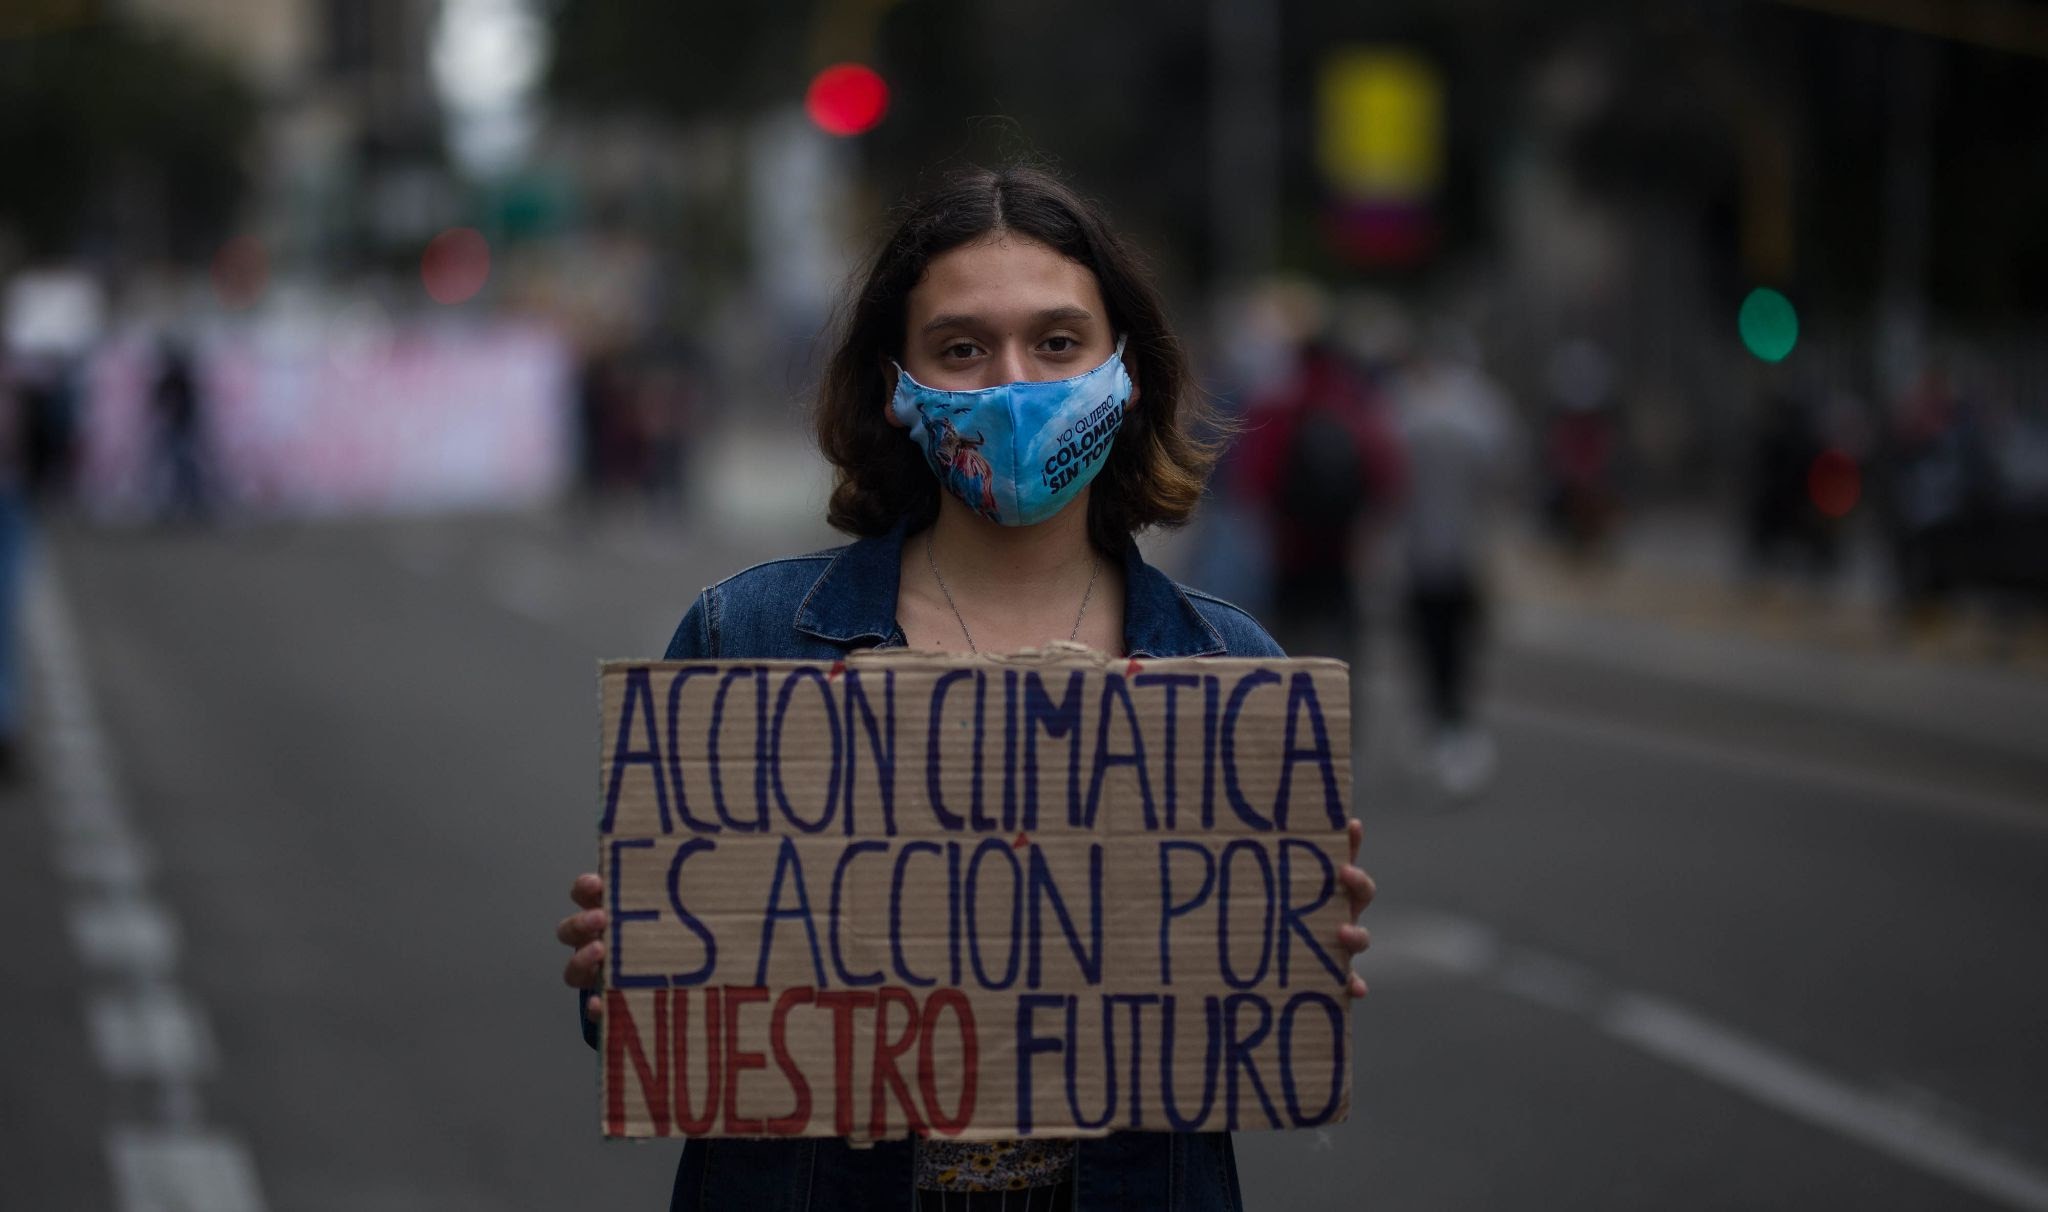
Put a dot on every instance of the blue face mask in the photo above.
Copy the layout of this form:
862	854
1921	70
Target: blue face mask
1016	453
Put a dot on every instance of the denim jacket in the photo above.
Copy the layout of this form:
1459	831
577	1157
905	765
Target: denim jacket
820	607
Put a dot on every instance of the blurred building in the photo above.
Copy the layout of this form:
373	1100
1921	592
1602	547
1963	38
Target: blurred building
349	142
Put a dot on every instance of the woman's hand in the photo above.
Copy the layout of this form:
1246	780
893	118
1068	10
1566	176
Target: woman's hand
1359	887
583	933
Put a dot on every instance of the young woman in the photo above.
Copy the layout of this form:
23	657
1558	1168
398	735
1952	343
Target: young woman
1007	409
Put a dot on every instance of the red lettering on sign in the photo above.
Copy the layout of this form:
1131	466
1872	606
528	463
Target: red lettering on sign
738	1062
778	1040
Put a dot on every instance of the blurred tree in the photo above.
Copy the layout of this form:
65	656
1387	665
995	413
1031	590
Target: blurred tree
119	141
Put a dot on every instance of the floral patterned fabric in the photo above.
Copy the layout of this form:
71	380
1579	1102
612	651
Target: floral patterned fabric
992	1165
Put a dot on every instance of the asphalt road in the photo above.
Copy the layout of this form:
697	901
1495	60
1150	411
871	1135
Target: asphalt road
1738	926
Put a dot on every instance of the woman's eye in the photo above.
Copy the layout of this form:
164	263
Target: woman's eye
959	349
1060	344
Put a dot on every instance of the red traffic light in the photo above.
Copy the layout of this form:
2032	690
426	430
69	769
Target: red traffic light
847	99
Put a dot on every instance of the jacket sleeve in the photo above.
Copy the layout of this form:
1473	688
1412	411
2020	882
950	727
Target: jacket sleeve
693	640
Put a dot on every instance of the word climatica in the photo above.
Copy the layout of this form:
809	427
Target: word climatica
767	730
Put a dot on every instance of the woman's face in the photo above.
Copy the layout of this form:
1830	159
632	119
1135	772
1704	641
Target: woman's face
1004	309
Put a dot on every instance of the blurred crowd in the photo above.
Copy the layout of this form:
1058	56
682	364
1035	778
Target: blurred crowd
1378	465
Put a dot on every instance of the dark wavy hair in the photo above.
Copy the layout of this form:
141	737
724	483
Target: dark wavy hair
1156	469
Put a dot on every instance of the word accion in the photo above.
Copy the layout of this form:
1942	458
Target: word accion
772	735
1204	895
684	1053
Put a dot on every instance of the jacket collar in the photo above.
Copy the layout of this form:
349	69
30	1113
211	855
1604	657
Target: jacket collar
853	602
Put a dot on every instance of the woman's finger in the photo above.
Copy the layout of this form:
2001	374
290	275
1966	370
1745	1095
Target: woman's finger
581	970
593	1009
580	928
1358	886
1354	938
1355	832
588	891
1355	986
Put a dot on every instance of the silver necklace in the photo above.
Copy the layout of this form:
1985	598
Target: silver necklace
1094	568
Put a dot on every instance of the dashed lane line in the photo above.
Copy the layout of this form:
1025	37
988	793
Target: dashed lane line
184	1171
1919	795
144	1027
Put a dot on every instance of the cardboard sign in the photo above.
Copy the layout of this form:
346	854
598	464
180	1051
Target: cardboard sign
1045	895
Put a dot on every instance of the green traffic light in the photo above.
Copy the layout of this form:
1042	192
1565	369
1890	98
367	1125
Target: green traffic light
1770	328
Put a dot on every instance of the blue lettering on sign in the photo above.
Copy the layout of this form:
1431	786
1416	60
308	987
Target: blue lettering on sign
1030	1044
881	745
1257	851
1212	1042
1107	1071
1113	689
896	882
1168	910
620	915
1335	1014
1233	792
935	737
675	769
639	692
1009	750
788	869
1171	682
1136	1002
1045	892
846	858
1001	849
689	920
1062	720
782	700
1301	698
1291	914
1211	691
1238	1056
759	824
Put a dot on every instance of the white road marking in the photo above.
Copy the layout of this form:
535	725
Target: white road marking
1429	941
1548	981
125	935
1887	1124
156	1171
118	865
152	1031
1887	788
145	1028
1896	1126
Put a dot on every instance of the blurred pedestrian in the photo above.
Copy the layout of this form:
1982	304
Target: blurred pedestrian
1459	435
1321	457
666	396
1581	450
180	436
1945	490
1005	312
1790	520
47	402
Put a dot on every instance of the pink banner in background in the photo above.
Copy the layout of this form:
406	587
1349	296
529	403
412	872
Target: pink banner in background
469	419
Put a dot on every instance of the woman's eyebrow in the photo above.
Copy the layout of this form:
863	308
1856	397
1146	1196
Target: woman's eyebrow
1051	315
